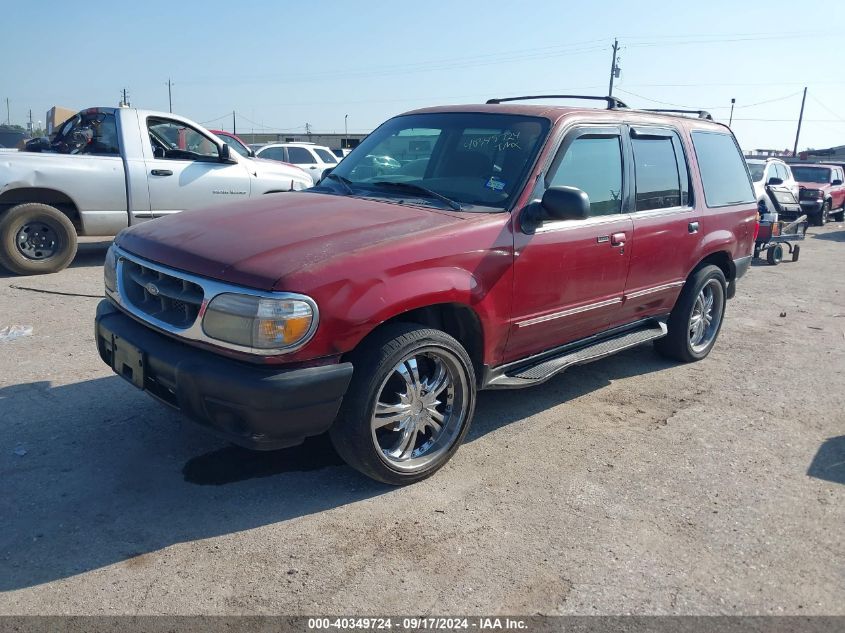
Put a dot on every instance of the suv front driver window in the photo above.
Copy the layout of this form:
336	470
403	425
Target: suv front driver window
593	164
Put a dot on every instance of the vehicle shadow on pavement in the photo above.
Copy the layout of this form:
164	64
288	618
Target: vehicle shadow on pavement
501	407
835	236
96	473
829	461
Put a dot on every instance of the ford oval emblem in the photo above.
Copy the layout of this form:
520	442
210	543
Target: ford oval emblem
152	289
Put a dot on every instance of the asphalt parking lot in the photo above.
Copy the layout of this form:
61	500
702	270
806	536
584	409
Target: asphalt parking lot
632	485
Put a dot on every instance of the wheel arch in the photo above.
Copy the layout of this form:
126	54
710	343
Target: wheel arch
458	320
721	259
42	195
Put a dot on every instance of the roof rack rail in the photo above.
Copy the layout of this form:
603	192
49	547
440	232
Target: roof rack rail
702	114
612	102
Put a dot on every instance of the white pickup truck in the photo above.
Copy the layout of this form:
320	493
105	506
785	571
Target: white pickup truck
108	168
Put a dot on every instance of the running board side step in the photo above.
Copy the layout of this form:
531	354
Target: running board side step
527	374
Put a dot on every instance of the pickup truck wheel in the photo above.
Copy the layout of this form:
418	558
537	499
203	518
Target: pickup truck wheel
36	238
821	218
697	317
409	405
839	216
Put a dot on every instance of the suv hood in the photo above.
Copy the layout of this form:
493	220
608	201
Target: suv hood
258	242
824	186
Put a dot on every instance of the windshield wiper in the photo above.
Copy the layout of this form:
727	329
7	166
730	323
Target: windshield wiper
409	186
344	181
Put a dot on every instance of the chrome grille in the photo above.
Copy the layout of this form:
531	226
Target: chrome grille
162	296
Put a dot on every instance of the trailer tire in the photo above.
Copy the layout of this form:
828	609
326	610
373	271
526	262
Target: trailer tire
35	239
774	255
796	252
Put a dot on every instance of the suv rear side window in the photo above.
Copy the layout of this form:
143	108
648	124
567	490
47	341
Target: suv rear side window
272	153
657	178
593	164
723	171
300	156
327	157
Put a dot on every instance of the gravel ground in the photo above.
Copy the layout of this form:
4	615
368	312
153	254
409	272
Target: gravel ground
632	485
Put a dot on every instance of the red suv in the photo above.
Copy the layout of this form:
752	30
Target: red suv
821	191
511	242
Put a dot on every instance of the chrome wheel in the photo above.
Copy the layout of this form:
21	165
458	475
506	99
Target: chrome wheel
420	409
706	315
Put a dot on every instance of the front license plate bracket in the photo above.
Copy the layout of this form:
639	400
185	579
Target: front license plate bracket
128	361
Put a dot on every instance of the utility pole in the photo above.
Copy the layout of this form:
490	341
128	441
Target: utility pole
731	120
234	125
308	130
30	123
800	119
614	67
345	143
169	94
8	118
125	101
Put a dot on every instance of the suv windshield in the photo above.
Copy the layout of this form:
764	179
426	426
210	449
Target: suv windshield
811	174
470	158
756	170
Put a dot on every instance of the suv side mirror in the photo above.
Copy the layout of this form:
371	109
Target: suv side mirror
325	173
775	181
250	153
565	203
836	182
226	154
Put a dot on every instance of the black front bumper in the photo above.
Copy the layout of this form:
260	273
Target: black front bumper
810	208
255	406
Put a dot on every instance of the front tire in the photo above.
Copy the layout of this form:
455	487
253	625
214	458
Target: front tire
821	218
35	239
409	404
696	319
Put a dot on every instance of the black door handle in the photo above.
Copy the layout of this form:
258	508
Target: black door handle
161	172
692	227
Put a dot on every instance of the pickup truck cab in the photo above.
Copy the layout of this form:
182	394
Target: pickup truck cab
109	168
513	242
821	191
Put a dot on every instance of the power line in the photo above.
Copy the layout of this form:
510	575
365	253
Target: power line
722	107
813	97
426	66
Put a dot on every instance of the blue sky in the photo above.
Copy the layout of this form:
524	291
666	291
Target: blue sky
282	64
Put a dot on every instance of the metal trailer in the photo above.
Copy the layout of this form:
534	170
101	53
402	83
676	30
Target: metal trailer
773	235
791	228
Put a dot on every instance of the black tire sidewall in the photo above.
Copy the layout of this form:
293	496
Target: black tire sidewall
12	221
351	433
676	343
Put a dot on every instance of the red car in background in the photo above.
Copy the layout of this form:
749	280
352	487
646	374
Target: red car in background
821	190
235	142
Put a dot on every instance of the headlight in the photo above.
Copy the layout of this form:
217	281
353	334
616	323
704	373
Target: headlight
259	322
110	270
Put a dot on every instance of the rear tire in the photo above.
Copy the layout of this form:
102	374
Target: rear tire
839	216
696	319
796	253
35	239
409	404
